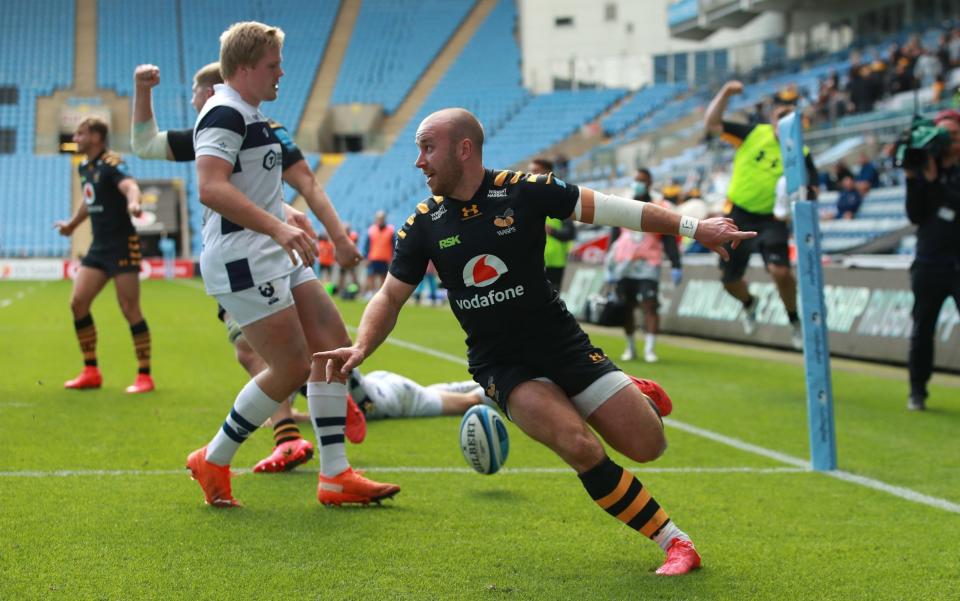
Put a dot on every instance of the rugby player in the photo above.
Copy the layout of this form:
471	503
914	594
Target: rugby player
484	231
253	263
148	142
110	197
383	394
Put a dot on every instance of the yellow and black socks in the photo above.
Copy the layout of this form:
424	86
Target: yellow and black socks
284	431
620	494
141	345
87	336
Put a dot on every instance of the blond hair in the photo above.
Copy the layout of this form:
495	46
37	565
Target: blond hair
208	76
244	44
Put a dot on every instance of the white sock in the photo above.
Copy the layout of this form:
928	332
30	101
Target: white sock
650	343
667	534
328	412
250	410
631	345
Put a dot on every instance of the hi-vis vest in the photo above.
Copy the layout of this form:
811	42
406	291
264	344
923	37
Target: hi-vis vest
381	243
555	251
756	168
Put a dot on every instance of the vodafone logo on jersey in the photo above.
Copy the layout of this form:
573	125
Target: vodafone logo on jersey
483	270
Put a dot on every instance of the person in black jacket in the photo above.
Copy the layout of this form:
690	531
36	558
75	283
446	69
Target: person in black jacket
933	203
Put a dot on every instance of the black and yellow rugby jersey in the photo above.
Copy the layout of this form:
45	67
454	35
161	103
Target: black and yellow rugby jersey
488	251
106	205
180	142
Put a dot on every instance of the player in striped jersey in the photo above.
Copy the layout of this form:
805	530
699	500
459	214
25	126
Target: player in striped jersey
249	262
147	141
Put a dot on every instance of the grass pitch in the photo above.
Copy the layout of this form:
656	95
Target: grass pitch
94	503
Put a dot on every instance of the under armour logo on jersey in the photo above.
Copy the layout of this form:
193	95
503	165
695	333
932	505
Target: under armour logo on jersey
596	357
266	290
470	212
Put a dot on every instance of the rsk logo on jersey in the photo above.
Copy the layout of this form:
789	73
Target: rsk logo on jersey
482	271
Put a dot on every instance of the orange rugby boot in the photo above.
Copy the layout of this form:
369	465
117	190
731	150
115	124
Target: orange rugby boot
356	429
681	558
89	378
213	479
143	383
656	393
286	456
350	487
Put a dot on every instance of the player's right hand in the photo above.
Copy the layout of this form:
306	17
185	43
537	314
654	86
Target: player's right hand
146	76
347	254
732	88
296	242
63	227
340	362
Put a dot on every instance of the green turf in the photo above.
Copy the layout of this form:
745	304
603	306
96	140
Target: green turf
447	535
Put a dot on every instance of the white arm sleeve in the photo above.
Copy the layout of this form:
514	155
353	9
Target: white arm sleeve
605	209
148	143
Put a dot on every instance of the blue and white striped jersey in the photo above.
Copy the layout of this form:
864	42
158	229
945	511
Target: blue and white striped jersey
233	257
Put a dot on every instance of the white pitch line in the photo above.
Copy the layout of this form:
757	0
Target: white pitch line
417	470
897	491
20	295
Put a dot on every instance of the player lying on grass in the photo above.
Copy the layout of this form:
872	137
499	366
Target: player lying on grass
484	231
383	394
148	142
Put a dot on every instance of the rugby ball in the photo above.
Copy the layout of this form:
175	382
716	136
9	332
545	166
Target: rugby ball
483	439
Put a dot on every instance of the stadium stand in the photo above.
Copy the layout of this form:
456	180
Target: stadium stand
36	193
386	56
516	124
393	43
36	58
642	104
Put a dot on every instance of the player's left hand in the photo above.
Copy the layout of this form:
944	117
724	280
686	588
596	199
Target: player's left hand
134	208
714	232
340	362
347	253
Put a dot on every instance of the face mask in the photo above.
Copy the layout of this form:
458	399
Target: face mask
639	188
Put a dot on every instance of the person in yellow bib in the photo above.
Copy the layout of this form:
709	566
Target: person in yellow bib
560	233
750	200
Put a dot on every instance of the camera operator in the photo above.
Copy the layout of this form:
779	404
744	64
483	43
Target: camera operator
933	204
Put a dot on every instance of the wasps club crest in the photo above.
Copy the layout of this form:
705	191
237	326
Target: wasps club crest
505	223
